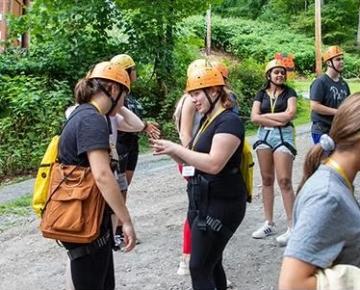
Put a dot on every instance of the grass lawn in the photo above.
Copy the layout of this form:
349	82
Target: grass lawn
303	111
302	115
302	86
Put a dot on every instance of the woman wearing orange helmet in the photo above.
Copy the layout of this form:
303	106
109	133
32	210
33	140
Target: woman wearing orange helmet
217	195
187	120
273	109
85	142
327	92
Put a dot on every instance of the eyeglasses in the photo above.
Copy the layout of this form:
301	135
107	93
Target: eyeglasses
282	72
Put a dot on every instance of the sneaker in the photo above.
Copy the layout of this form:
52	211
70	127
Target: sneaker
184	265
283	239
228	284
118	242
265	231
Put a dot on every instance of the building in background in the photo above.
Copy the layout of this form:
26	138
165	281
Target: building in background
17	8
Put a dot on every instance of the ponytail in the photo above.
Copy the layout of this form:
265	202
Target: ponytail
84	90
312	162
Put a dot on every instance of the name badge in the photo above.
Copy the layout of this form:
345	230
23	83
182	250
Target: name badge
188	171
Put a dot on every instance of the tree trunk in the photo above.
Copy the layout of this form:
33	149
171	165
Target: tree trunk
25	38
358	32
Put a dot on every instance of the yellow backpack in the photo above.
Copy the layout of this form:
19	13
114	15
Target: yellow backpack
247	168
42	180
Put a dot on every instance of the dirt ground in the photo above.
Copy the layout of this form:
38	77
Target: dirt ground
157	202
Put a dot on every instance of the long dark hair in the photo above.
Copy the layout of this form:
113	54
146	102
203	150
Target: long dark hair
345	131
86	88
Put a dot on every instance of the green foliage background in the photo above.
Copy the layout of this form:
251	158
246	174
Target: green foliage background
68	37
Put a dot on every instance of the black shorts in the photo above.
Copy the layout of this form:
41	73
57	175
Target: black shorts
128	150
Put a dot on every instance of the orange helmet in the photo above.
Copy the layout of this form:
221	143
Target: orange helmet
202	62
196	64
273	64
221	68
332	52
124	60
110	71
204	77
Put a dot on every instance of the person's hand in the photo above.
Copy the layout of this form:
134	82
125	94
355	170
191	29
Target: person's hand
129	236
152	130
161	146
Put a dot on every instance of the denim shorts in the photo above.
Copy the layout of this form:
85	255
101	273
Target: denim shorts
280	139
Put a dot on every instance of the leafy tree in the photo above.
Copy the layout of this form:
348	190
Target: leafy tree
67	36
153	28
241	8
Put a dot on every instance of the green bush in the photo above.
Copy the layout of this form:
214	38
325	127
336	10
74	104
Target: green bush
352	66
246	79
261	40
31	112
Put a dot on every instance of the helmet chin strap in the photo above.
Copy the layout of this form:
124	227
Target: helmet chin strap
333	67
275	83
212	104
113	102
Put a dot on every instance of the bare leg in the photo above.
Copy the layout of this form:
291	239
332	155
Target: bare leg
265	158
129	176
283	166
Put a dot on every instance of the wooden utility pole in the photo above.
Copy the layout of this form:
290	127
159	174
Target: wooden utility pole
25	36
358	31
318	37
208	31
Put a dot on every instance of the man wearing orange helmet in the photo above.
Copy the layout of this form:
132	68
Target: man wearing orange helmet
327	92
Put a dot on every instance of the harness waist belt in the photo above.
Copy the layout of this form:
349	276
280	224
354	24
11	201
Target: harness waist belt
217	226
82	251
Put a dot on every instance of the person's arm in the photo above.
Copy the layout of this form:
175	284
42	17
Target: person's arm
105	180
187	121
259	119
317	238
318	91
286	116
152	130
222	148
322	109
296	274
128	121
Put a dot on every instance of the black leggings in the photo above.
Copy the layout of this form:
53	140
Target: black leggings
206	269
94	271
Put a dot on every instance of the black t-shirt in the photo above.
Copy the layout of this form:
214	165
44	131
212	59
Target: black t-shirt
227	122
330	94
130	138
86	130
281	101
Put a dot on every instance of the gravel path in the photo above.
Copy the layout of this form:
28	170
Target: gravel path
157	202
